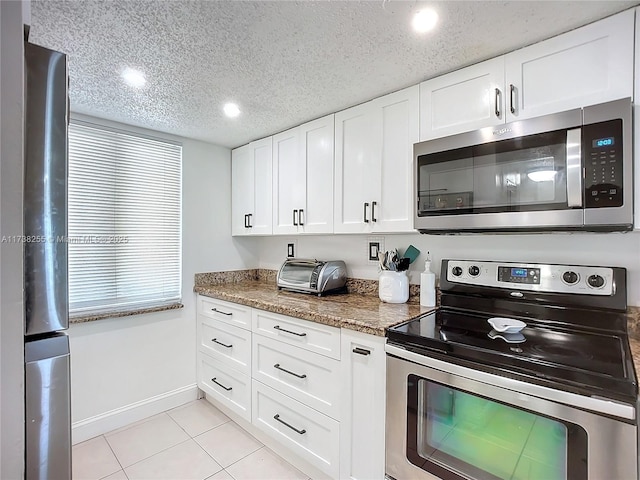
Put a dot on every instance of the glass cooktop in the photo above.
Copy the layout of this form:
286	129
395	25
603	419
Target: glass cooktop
585	362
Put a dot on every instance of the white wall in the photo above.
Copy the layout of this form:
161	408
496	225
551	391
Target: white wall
612	249
11	308
118	363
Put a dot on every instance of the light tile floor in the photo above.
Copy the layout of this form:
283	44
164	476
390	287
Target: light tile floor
195	441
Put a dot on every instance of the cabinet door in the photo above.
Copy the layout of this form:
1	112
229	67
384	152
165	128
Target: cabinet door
316	143
392	211
261	220
463	100
357	167
242	193
362	426
289	181
586	66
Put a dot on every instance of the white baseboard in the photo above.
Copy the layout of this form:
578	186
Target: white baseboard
105	422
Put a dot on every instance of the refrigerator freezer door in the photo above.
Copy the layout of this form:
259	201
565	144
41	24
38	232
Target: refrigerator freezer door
45	191
48	409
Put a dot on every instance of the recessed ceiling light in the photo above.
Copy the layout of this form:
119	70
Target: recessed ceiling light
134	78
424	20
231	110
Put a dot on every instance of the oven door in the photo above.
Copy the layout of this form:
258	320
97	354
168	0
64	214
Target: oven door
452	422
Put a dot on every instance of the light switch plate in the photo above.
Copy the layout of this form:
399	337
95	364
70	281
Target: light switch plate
374	245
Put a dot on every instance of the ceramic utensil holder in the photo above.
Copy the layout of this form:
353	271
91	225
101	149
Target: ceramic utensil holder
393	287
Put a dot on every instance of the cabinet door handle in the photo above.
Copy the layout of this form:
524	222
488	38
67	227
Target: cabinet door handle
215	340
250	215
301	218
277	365
228	389
364	214
361	351
277	327
512	91
295	214
246	221
497	103
220	311
277	417
373	211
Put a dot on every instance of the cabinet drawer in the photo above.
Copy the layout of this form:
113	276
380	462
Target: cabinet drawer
225	384
306	376
228	344
227	312
311	336
305	431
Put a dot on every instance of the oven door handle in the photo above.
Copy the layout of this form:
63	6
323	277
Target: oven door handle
574	168
608	407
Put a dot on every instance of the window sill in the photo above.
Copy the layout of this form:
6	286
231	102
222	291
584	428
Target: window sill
123	313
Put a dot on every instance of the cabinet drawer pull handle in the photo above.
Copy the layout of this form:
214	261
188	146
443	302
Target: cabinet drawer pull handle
373	211
277	417
361	351
220	343
220	311
301	218
277	365
364	214
295	213
228	389
497	104
512	90
277	327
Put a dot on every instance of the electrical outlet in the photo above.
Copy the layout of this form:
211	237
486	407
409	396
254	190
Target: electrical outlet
374	246
292	248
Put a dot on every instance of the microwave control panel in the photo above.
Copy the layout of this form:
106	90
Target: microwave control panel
602	153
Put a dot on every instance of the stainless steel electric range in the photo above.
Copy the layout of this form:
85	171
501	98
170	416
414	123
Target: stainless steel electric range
472	393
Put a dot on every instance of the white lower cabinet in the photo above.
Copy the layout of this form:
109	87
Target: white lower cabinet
317	390
306	376
309	433
362	447
225	384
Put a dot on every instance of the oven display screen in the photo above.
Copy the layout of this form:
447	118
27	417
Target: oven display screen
603	142
529	276
519	272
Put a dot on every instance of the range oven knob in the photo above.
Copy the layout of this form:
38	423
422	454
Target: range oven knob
570	277
595	281
457	271
474	271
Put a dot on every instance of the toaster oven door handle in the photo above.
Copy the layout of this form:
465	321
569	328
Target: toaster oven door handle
277	327
574	167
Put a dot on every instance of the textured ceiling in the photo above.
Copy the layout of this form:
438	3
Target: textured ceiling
283	62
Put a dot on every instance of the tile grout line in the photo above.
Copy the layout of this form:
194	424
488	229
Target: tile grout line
114	456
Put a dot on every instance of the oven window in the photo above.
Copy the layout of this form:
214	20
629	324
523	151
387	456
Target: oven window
456	434
521	174
297	274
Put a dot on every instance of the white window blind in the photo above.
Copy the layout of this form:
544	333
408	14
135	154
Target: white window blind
124	221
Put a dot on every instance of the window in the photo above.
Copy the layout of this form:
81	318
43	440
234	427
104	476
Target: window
124	221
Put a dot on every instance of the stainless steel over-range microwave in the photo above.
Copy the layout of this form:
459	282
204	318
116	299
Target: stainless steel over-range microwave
566	171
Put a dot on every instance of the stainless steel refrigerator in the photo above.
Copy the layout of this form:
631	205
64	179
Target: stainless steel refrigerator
47	368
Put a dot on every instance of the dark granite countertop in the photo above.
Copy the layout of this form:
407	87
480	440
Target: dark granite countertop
355	311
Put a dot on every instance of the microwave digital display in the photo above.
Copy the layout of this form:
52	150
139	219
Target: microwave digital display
603	142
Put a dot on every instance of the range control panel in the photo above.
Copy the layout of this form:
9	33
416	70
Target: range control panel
535	277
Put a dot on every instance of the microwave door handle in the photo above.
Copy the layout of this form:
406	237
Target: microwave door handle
574	167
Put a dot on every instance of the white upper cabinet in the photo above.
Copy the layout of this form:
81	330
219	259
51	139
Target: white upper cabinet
303	178
586	66
374	150
463	100
251	196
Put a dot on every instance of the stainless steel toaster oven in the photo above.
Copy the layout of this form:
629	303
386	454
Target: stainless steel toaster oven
312	276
